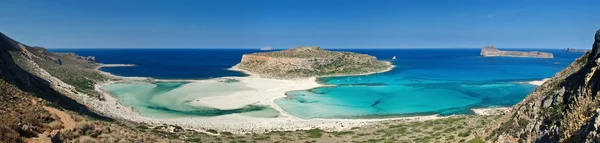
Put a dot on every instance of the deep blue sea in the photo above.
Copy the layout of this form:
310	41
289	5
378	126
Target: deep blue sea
425	81
168	63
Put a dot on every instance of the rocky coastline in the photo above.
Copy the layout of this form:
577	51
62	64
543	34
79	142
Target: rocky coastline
575	50
310	61
491	51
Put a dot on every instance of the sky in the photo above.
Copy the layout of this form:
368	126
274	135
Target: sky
291	23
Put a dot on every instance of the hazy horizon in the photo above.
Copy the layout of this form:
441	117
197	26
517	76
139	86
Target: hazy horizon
257	48
351	24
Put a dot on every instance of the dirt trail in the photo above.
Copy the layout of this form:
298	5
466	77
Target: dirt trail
68	122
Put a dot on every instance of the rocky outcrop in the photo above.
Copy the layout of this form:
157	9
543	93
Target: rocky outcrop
87	58
573	50
491	51
309	61
564	109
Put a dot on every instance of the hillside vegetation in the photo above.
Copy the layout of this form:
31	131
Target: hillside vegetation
303	62
564	109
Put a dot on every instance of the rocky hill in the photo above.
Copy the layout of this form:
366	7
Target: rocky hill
40	101
36	106
491	51
303	62
564	109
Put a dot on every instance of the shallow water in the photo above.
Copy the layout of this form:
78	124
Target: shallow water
171	99
425	81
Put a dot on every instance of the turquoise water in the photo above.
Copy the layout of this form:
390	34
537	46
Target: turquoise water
425	81
171	99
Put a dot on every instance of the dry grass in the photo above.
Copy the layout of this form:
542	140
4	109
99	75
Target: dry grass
55	125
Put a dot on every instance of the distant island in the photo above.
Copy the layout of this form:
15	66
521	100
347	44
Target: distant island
575	50
267	48
310	61
491	51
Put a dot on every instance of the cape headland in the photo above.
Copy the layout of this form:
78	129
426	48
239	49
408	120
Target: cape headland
491	51
310	61
575	50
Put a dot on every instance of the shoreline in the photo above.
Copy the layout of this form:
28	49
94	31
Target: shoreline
534	82
391	67
116	65
270	90
491	110
250	74
538	82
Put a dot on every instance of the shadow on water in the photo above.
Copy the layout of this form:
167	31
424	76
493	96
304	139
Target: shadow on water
164	87
209	112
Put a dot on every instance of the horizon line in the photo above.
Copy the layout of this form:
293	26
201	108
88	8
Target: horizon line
164	48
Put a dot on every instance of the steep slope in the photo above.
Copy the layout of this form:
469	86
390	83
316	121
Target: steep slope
35	84
32	108
11	53
563	109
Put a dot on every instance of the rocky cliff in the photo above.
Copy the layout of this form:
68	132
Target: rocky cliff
491	51
302	62
564	109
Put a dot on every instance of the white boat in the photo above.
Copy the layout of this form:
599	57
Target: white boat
393	58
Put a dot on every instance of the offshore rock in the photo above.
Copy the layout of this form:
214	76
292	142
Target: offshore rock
491	51
574	50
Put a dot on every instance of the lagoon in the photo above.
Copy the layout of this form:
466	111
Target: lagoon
424	82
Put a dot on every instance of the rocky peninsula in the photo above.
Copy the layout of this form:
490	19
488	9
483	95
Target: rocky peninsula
309	61
491	51
575	50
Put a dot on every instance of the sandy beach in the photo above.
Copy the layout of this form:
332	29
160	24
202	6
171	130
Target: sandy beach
538	82
491	110
117	65
264	92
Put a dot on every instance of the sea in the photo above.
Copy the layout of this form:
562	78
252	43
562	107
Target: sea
424	82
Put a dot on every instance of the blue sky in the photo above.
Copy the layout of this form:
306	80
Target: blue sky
290	23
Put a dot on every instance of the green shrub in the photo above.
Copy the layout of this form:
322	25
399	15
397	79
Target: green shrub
523	122
314	133
195	140
464	134
341	133
476	140
143	127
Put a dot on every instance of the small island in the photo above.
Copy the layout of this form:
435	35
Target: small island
310	61
267	48
575	50
491	51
